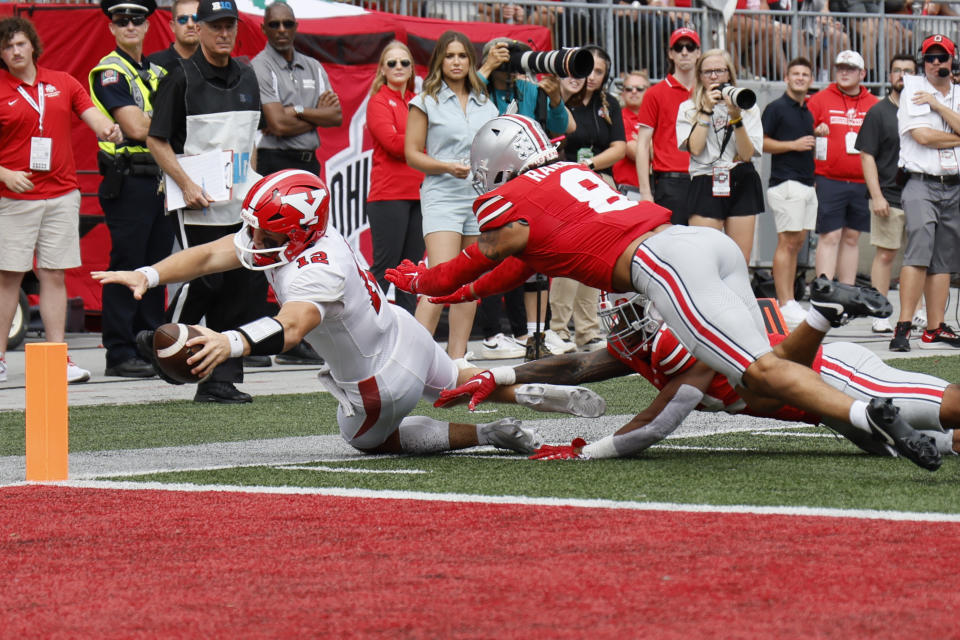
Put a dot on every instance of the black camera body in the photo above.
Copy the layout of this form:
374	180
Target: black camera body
573	63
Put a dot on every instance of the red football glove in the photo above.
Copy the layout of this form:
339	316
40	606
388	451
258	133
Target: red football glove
479	387
562	452
463	294
405	275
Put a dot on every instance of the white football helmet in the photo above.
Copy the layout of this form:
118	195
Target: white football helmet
505	147
630	320
290	202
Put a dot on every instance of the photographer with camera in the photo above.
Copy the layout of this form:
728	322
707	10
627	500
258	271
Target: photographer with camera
720	127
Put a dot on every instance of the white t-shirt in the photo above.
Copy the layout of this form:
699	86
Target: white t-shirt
711	157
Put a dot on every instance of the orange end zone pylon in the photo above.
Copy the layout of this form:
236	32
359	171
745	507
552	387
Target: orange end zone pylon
772	317
46	411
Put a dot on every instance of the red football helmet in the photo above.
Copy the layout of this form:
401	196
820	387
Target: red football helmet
630	320
291	202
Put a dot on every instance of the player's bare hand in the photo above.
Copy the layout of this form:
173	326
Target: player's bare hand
463	294
479	388
405	275
572	451
133	280
18	181
215	349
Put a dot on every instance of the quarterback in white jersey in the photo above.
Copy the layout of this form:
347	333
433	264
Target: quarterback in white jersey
381	360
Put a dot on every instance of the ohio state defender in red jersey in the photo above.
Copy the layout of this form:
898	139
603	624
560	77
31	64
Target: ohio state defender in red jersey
561	220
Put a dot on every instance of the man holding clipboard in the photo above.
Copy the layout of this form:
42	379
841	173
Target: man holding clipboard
210	103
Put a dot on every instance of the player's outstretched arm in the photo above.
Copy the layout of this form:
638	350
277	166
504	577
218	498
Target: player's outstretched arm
661	418
204	259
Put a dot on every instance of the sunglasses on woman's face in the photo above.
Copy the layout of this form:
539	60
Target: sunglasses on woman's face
122	21
184	19
393	63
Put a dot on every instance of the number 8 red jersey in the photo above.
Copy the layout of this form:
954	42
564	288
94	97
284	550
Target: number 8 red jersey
579	225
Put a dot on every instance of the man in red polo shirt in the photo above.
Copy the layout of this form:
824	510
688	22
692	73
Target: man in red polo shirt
658	123
39	195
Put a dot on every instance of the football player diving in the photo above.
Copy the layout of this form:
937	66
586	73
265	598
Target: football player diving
381	361
539	215
637	342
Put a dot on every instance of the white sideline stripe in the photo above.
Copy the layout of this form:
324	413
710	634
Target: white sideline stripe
832	436
683	448
348	470
866	514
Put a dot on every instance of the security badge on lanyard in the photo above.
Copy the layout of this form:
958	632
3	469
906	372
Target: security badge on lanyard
41	148
721	182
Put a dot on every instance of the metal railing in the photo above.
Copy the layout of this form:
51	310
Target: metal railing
762	42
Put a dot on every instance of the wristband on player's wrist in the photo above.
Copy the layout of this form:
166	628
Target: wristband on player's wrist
153	278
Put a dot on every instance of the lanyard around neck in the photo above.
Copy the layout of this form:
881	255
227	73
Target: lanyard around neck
39	105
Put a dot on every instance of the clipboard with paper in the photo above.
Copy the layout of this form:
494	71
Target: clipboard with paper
212	170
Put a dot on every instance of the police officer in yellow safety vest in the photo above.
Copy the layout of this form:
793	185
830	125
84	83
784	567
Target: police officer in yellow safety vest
122	86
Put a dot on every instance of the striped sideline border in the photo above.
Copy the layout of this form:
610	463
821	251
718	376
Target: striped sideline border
865	514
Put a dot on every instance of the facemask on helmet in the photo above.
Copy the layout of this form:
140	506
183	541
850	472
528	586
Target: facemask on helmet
293	203
630	320
505	147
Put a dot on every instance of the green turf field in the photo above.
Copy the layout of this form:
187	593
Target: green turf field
776	464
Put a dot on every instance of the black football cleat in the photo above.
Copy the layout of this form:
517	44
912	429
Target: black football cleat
888	425
839	302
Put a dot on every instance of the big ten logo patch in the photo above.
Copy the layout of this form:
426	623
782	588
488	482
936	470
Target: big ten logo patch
241	167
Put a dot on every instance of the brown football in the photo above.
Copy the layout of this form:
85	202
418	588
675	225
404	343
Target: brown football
168	344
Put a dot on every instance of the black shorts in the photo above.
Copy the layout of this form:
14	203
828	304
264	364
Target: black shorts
671	192
746	195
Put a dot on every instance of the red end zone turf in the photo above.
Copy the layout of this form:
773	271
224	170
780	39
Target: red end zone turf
104	563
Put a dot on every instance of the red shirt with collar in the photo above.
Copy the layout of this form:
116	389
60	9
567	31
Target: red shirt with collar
659	112
19	122
625	171
843	114
390	177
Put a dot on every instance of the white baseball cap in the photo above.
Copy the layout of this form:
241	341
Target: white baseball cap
850	58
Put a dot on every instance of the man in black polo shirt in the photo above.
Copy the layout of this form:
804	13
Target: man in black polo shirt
186	38
211	102
791	196
879	145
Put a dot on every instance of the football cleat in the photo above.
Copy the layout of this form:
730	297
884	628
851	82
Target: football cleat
889	426
839	302
508	434
577	401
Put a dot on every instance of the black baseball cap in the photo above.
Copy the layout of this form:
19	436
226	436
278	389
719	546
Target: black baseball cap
210	10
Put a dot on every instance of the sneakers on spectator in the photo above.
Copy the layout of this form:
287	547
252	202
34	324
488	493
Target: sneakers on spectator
901	337
594	344
508	434
881	325
3	370
920	319
556	344
839	302
464	362
793	314
941	337
75	373
501	347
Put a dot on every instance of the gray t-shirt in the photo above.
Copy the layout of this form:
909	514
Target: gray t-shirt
298	82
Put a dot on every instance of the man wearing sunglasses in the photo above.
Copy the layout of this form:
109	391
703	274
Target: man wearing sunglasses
186	35
210	102
297	98
122	86
929	125
658	127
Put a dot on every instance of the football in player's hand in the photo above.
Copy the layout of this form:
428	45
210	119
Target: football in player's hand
169	345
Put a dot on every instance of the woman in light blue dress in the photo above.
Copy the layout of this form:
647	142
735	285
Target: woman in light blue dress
440	129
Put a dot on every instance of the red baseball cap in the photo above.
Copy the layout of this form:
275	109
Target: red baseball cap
938	41
684	32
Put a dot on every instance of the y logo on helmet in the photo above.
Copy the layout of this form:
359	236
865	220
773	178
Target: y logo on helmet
306	203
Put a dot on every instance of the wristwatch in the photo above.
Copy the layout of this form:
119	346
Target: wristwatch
298	110
590	163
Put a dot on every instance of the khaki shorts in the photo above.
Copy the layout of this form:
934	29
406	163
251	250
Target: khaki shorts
51	227
887	233
794	206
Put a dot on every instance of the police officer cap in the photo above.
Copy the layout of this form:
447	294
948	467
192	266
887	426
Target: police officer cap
130	7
